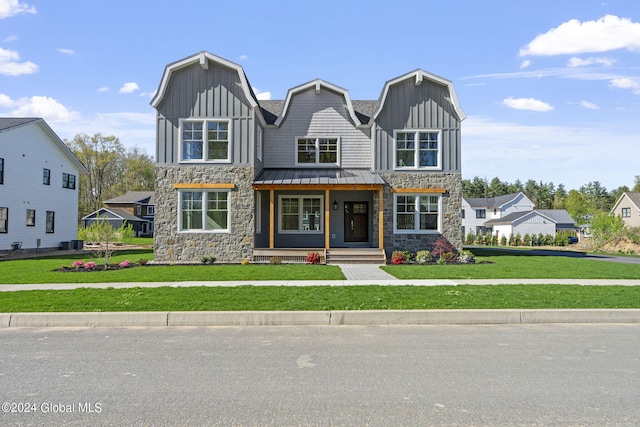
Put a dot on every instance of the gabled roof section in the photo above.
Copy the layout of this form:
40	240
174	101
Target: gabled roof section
114	213
633	197
135	197
492	202
419	76
516	216
9	124
318	84
203	58
561	216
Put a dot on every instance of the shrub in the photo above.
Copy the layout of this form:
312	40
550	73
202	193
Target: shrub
526	240
90	265
124	264
423	257
408	256
245	262
208	259
503	241
441	246
448	257
494	240
275	260
466	257
398	257
313	258
470	239
143	261
77	264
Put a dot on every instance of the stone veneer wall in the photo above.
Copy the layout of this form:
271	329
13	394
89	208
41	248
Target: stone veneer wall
451	210
173	247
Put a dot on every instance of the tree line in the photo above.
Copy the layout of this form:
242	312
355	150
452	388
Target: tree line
113	170
581	204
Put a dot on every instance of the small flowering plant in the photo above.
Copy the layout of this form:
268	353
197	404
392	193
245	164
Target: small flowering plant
90	265
398	257
313	258
77	264
124	264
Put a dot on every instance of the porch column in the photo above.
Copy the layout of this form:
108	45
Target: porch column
272	222
327	204
380	219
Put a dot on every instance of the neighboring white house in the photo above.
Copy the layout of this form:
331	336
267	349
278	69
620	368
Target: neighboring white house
628	207
532	222
39	179
477	211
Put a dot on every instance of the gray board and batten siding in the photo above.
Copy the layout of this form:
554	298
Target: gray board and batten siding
205	93
430	108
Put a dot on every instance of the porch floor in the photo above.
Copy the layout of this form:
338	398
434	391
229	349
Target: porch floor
327	256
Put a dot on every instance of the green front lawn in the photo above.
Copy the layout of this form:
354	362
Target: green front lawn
321	298
41	270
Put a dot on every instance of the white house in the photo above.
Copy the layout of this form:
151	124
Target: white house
39	179
477	211
532	222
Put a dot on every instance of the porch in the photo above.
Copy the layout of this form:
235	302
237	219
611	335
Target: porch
327	256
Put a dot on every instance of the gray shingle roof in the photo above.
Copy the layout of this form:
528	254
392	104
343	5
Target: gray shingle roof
490	202
635	198
272	109
115	213
318	176
142	197
560	216
9	122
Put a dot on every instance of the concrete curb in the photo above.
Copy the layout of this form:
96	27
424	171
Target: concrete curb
318	318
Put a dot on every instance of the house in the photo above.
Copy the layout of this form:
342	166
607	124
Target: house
628	207
39	179
523	222
240	178
135	207
476	212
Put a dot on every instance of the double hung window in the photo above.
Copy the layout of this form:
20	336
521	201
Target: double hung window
417	213
207	211
300	214
205	140
68	181
31	217
46	176
417	149
626	212
4	219
50	222
317	151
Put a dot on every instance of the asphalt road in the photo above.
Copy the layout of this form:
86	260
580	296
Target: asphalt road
552	374
559	252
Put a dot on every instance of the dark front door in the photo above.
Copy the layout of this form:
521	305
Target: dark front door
356	221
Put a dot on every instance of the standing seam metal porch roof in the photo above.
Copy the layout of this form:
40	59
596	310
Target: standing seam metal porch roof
330	176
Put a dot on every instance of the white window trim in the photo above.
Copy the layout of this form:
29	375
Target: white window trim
259	143
300	219
151	210
417	214
204	203
417	150
317	162
258	212
204	145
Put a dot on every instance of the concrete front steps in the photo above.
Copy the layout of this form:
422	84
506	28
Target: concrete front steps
356	256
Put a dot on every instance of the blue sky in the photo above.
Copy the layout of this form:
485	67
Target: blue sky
551	88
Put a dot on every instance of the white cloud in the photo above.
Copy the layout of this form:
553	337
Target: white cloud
129	87
9	65
525	64
67	51
626	83
10	39
575	37
579	62
589	105
10	8
262	96
148	94
530	104
104	89
38	106
243	57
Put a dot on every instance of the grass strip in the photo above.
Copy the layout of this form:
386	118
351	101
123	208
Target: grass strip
371	297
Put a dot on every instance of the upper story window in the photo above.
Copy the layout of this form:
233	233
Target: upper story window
626	212
259	139
317	151
46	176
68	181
207	211
138	210
1	171
416	213
4	219
31	217
418	149
481	213
205	140
150	210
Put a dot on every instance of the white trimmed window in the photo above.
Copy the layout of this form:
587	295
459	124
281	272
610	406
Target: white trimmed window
417	149
205	140
206	211
259	143
417	213
258	212
626	212
300	214
317	151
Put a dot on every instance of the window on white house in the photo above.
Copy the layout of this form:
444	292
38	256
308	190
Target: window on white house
46	176
419	149
204	211
259	143
50	222
417	213
626	212
317	151
481	213
300	214
31	217
1	170
4	219
205	140
68	181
